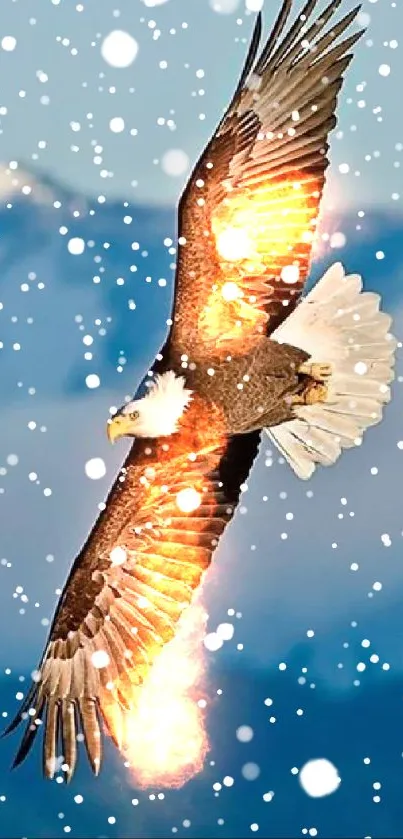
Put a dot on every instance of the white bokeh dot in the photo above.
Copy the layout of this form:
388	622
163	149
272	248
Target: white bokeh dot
117	125
337	240
363	18
95	468
225	631
175	162
8	43
254	5
319	777
250	771
119	48
224	7
76	246
118	555
100	658
92	381
213	642
244	733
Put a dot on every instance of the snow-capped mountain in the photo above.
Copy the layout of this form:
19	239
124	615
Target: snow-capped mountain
62	258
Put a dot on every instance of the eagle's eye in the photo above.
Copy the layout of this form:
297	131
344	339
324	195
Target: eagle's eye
134	415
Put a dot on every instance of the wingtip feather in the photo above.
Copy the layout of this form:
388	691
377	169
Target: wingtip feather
252	53
92	732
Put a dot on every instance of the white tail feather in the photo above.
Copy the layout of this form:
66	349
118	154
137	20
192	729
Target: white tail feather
340	324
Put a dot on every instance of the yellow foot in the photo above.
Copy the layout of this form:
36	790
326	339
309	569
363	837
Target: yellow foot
313	393
316	370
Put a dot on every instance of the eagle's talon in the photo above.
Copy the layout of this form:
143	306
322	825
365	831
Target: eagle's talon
318	371
313	393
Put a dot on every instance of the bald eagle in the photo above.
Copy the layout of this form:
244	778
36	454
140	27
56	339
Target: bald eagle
244	356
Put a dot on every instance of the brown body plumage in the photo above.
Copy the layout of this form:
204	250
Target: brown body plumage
251	390
260	177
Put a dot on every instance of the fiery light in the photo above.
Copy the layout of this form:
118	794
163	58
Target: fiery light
262	233
234	244
164	735
188	500
230	291
267	222
153	707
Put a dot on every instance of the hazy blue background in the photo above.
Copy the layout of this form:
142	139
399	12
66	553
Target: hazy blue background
53	423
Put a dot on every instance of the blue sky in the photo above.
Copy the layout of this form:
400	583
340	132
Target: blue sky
337	576
61	90
301	602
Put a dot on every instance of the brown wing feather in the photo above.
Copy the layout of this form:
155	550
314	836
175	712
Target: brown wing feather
248	214
120	615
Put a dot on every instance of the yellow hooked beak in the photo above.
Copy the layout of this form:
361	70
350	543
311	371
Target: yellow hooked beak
119	426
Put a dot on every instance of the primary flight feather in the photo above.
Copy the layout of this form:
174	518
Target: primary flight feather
241	357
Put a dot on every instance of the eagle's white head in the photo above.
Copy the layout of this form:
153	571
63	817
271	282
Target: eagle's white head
156	414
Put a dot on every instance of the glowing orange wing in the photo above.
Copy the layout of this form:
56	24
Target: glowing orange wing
248	214
129	585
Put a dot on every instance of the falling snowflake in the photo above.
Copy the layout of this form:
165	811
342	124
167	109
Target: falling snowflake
175	162
95	468
8	43
76	246
224	7
119	49
319	777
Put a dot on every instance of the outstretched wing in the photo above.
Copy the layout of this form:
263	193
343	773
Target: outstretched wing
248	214
129	585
